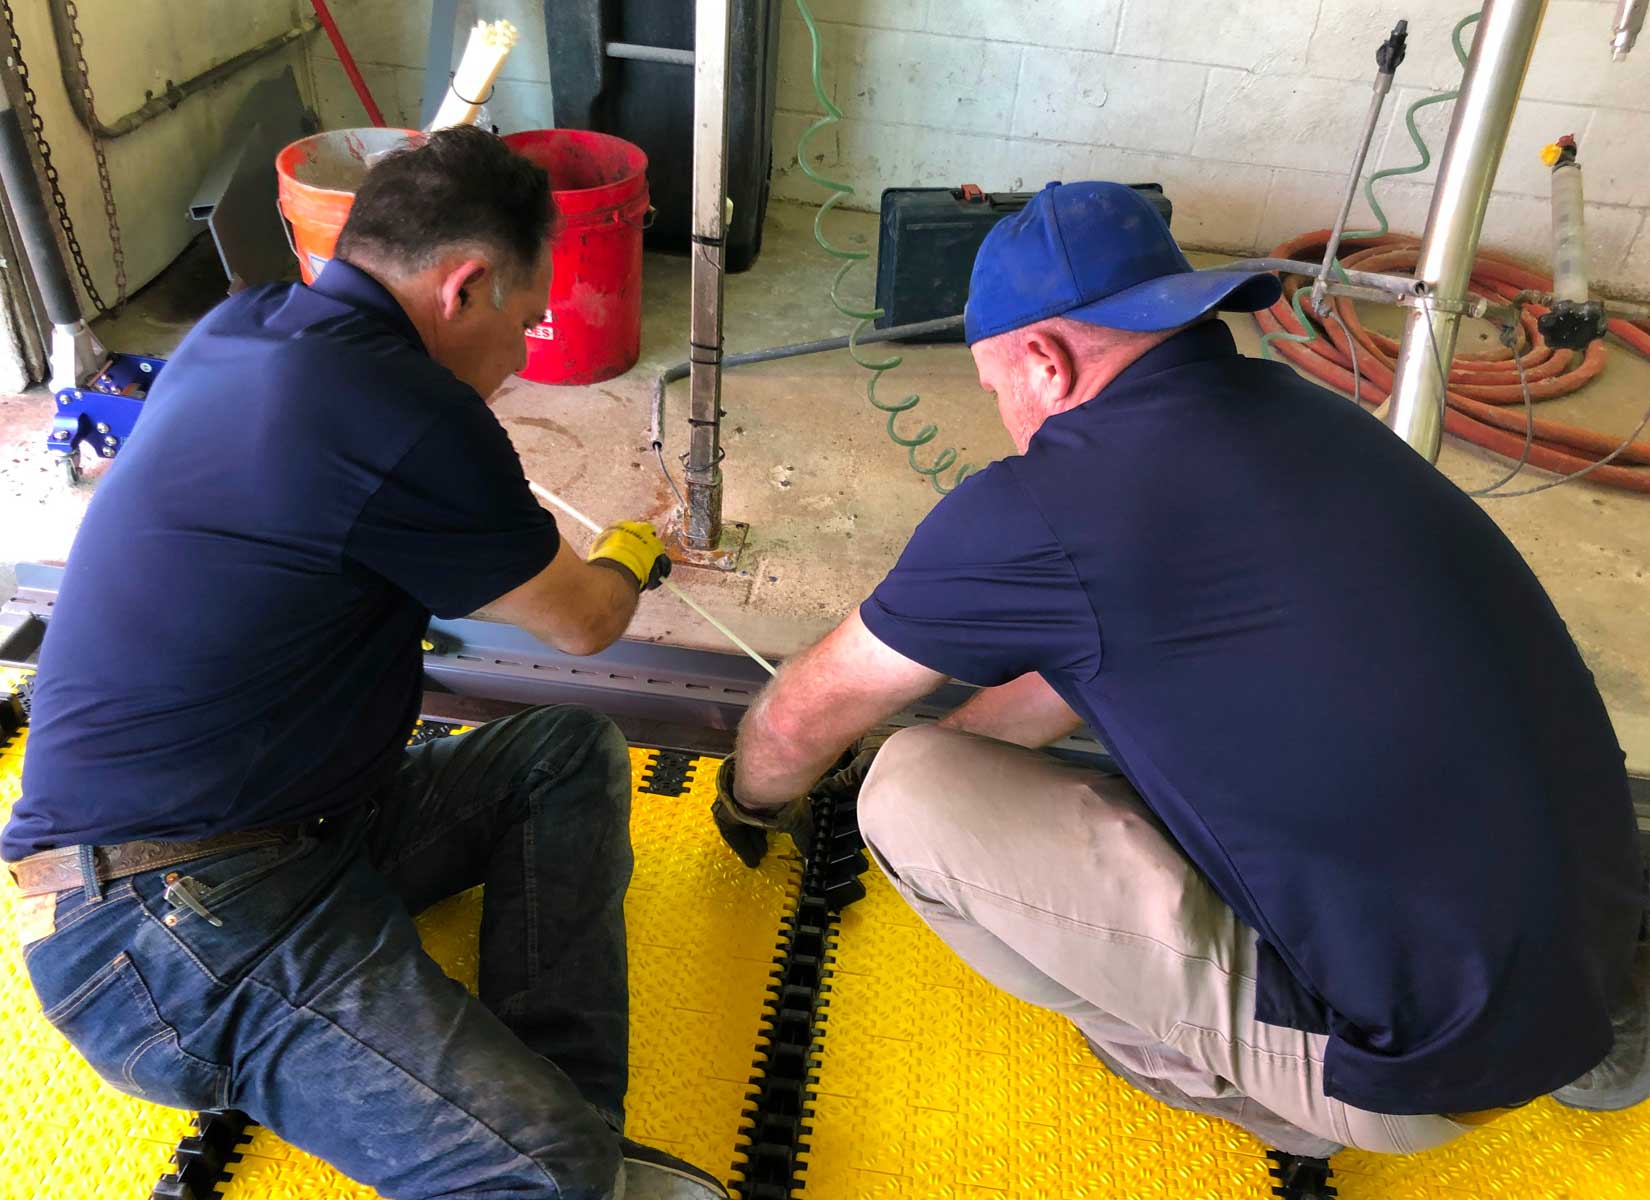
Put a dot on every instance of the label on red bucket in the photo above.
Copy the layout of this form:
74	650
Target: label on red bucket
544	330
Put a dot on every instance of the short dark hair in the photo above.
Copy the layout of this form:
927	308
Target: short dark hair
455	186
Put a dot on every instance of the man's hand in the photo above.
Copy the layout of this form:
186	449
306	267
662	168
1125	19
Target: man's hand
746	830
847	778
634	547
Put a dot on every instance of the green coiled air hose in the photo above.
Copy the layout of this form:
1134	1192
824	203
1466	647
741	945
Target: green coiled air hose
864	317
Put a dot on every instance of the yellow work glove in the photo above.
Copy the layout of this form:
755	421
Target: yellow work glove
634	546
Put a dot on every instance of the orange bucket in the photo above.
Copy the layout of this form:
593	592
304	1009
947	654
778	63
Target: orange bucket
316	178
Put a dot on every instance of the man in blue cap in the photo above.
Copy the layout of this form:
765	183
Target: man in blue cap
1367	872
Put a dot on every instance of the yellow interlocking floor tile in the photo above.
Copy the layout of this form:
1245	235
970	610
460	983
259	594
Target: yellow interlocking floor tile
64	1134
702	935
932	1084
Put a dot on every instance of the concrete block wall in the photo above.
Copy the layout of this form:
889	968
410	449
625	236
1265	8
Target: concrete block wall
1246	113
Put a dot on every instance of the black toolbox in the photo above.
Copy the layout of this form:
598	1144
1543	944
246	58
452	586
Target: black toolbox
927	243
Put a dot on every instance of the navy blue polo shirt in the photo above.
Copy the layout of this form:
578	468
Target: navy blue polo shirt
1342	690
236	640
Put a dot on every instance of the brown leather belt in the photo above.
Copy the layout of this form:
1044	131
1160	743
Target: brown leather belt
59	870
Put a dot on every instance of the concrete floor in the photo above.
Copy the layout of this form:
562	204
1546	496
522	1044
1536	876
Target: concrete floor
829	499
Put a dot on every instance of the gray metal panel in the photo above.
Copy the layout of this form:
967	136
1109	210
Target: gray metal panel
237	196
438	59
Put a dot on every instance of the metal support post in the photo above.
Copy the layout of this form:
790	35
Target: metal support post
703	521
75	352
438	59
1494	75
1625	32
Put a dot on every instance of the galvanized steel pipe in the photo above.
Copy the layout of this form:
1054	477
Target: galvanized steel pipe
702	525
1501	50
1625	32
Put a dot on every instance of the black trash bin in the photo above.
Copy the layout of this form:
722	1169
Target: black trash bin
651	103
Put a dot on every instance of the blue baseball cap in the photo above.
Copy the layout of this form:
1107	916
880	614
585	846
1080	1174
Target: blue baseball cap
1097	253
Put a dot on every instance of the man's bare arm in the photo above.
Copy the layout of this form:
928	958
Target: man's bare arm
1025	711
821	700
577	607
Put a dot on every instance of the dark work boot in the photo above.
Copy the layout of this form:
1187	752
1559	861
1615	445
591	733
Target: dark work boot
1623	1078
651	1174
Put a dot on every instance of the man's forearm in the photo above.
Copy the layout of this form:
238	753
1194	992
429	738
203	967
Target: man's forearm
780	760
821	700
575	606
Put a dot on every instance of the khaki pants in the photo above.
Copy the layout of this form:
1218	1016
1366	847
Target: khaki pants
1057	884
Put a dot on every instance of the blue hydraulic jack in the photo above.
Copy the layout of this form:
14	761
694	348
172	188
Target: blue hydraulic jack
101	414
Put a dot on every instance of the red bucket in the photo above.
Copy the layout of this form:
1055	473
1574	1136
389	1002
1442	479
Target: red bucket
592	328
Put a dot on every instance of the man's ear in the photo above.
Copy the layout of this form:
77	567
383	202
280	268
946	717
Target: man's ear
461	287
1048	363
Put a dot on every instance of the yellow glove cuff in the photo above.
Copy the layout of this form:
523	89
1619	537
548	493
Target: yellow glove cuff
636	548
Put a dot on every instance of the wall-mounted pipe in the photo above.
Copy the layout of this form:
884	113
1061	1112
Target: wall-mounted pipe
174	95
656	54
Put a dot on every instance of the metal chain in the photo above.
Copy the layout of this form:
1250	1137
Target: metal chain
49	169
117	249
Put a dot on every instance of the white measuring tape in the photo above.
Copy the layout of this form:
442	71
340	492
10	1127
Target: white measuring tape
544	493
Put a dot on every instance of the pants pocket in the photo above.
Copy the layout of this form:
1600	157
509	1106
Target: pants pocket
228	876
111	1019
255	897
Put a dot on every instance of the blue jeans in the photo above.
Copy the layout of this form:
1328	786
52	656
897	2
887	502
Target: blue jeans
314	1009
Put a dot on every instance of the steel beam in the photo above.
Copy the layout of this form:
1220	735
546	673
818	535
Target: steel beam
665	696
